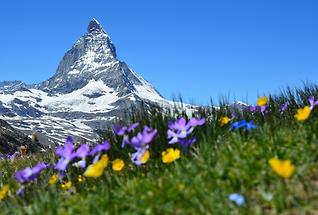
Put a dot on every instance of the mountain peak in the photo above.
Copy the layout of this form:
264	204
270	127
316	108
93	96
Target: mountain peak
94	25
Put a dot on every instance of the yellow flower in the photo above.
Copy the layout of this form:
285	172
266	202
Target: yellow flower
303	113
145	157
261	101
53	179
4	192
224	120
80	178
170	155
283	168
118	165
96	170
66	185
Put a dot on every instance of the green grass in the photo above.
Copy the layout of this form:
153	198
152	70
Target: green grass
220	163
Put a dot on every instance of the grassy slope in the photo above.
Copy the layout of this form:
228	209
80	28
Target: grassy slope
222	162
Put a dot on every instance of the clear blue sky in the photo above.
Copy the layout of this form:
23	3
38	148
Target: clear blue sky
198	48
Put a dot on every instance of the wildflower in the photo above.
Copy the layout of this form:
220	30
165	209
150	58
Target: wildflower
312	102
4	192
263	109
81	152
145	157
283	168
118	165
123	131
181	129
101	147
243	124
262	101
140	157
142	139
53	180
185	143
20	191
66	185
66	154
237	198
80	178
120	131
29	174
98	149
303	113
224	120
141	143
96	170
252	108
283	107
170	155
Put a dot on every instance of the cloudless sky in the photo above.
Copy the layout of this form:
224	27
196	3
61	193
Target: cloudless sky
197	48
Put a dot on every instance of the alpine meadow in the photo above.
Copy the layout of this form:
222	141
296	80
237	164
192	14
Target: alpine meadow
102	136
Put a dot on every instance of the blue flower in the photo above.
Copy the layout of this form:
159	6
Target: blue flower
243	124
237	198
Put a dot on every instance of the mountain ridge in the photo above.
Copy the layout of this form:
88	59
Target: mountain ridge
89	88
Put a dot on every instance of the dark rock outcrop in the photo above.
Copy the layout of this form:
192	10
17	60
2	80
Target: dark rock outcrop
11	139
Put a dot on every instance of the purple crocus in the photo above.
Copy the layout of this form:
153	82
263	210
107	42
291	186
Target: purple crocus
101	147
66	154
312	102
180	129
140	143
233	116
186	143
142	139
123	131
137	156
252	108
81	153
20	191
30	174
182	125
98	149
283	107
263	109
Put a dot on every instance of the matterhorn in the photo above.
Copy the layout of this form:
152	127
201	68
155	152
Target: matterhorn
89	89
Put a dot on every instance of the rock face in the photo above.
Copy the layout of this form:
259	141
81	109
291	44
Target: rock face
11	139
90	88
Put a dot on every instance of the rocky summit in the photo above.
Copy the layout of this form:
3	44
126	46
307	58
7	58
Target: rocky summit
90	88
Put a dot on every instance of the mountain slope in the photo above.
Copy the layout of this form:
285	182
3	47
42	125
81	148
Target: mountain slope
11	140
90	87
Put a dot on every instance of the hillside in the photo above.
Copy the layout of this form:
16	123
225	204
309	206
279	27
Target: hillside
257	160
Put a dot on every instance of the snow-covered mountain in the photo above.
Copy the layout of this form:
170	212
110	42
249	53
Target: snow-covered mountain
89	89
